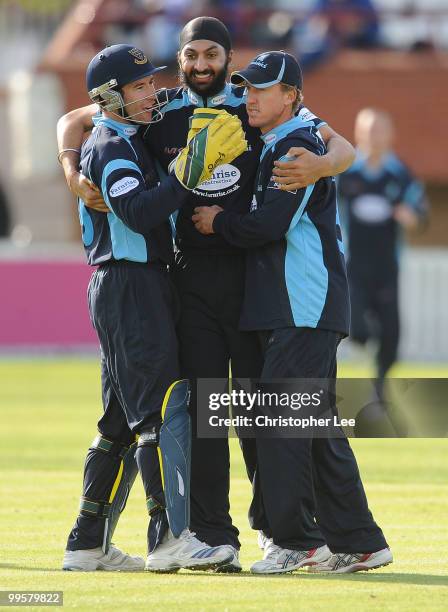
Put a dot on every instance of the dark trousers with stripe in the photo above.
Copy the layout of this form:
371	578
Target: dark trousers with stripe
375	313
133	308
211	289
309	491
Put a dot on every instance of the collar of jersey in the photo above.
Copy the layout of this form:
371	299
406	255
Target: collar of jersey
125	130
278	133
215	100
360	165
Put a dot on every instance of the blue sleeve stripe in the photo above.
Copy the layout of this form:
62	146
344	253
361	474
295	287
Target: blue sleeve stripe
88	232
394	165
116	164
306	276
299	212
413	195
126	244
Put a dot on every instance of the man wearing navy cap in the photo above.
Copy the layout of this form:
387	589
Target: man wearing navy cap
296	298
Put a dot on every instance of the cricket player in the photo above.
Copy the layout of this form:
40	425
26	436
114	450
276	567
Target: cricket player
296	298
209	273
378	198
133	307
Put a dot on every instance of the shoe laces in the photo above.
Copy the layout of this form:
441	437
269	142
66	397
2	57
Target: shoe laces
190	536
271	551
343	559
114	552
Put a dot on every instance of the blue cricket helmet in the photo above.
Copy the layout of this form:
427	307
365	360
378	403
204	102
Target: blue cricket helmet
122	63
113	68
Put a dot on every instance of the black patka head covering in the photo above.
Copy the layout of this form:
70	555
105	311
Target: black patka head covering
205	28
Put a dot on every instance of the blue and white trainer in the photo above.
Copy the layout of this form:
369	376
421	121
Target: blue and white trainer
94	559
186	552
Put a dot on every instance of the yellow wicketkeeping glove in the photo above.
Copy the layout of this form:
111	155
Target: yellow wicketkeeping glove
200	118
220	142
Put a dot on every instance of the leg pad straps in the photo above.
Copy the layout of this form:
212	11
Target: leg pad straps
94	509
116	449
153	506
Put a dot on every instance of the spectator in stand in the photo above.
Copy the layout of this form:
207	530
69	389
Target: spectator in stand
333	24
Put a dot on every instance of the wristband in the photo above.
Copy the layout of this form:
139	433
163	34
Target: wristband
61	153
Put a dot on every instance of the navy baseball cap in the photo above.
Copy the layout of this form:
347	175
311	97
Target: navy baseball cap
124	63
269	69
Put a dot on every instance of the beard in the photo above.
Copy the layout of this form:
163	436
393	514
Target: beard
215	87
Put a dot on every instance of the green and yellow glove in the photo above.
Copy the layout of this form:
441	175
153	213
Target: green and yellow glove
201	118
220	142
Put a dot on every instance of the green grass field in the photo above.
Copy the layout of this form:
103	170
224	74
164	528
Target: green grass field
48	411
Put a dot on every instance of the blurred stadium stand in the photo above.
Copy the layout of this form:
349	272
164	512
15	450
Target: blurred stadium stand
26	26
405	72
410	85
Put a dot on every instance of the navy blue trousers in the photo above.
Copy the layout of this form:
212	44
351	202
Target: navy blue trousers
309	491
211	290
133	308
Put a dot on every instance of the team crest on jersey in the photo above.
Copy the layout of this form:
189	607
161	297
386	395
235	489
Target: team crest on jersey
253	204
139	56
130	131
270	138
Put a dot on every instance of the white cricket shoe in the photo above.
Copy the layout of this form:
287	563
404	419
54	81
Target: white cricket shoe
263	540
347	563
233	566
187	552
94	559
277	560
